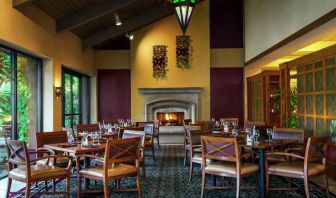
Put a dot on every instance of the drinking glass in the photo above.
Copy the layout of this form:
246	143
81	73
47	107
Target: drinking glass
235	132
257	135
269	132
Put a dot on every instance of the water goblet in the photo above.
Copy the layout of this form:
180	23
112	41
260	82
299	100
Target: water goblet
256	135
269	132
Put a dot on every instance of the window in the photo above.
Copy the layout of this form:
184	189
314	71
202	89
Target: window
75	98
20	100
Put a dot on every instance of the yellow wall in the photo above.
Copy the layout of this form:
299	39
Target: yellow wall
227	57
164	32
39	37
112	59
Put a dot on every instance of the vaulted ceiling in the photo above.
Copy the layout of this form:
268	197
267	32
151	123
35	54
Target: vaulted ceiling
94	20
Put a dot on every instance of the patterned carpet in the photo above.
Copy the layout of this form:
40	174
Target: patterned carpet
167	177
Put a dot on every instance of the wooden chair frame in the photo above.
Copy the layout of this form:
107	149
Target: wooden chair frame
321	143
18	154
110	160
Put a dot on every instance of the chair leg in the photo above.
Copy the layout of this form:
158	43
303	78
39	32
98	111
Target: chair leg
46	186
267	183
9	185
68	186
138	185
238	187
203	183
185	156
327	184
306	186
54	185
143	167
27	195
106	188
191	170
158	141
153	151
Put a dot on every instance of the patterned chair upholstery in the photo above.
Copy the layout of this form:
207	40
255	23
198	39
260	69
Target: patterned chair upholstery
29	173
309	165
121	160
221	157
289	134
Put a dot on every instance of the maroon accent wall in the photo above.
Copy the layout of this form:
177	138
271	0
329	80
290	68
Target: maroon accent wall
114	94
226	23
227	93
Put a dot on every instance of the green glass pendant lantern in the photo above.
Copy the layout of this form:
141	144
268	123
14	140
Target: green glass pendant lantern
184	9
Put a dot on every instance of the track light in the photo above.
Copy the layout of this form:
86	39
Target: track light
117	20
130	36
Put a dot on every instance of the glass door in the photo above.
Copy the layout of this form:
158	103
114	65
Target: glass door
72	111
5	106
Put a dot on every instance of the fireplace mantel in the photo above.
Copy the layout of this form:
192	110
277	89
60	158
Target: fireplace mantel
172	90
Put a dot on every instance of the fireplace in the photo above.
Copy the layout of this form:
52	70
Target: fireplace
170	118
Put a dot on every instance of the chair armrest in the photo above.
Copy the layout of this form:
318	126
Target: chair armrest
284	154
55	157
252	153
288	150
42	151
78	157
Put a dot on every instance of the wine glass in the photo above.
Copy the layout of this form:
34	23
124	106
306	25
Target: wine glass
257	135
269	132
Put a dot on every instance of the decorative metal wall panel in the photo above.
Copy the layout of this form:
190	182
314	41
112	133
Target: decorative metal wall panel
319	80
320	126
319	104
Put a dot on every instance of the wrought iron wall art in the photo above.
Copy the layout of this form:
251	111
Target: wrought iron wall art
160	62
183	52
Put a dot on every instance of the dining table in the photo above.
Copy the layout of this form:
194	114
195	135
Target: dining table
262	146
76	149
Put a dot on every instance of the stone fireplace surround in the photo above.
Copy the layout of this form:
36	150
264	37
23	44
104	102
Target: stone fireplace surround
171	99
180	99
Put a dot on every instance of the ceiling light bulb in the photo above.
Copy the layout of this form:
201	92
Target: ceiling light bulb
118	21
130	36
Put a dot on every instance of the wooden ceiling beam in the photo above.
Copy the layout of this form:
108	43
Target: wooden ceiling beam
133	23
91	13
17	4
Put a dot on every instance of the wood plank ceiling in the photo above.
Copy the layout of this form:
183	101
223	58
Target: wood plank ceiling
94	20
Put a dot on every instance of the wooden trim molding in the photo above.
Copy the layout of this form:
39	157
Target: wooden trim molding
318	22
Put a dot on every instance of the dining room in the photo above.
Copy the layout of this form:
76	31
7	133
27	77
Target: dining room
167	98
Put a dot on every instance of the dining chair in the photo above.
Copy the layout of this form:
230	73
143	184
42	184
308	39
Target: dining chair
231	120
54	137
23	169
288	134
195	155
157	132
87	127
121	160
111	121
149	142
309	165
205	125
131	134
186	122
251	124
221	157
186	140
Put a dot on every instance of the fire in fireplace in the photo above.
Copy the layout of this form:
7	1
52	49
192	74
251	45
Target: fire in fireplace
170	118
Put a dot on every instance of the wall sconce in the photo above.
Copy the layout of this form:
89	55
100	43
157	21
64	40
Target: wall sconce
58	92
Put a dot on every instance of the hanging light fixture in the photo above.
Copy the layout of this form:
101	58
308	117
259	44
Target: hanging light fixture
184	9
